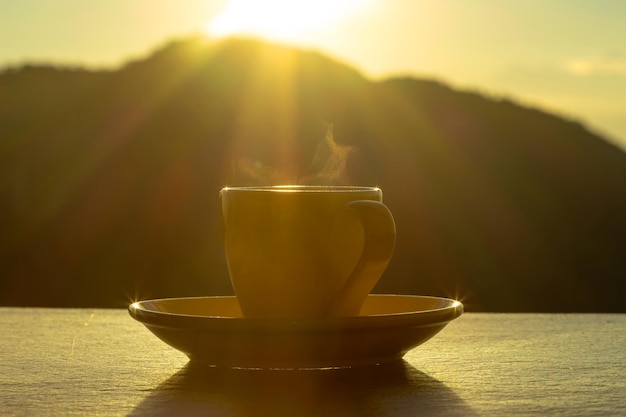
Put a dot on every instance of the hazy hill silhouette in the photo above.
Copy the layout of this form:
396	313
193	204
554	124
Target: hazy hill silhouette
109	179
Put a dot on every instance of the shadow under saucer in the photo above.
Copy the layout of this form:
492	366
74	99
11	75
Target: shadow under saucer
393	389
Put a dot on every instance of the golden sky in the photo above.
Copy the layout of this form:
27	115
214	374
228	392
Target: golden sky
567	56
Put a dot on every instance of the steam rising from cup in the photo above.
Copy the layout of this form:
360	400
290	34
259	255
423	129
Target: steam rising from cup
328	166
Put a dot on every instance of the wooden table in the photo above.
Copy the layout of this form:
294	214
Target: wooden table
66	362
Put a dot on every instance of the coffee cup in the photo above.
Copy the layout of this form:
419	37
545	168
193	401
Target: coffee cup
305	251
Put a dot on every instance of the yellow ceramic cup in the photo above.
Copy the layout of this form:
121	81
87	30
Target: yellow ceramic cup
305	251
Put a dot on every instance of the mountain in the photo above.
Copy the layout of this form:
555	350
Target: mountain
109	180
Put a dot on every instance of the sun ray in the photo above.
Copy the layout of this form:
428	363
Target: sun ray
266	125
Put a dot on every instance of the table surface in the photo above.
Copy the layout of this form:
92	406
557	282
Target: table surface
65	362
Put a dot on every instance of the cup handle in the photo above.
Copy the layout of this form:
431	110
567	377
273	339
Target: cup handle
379	241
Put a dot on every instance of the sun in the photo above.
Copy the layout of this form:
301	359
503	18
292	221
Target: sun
287	20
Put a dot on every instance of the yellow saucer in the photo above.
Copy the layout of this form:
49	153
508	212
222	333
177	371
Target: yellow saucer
212	330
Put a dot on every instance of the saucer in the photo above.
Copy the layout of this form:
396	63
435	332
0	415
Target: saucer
212	330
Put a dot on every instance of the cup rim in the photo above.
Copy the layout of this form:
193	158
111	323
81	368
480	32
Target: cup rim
296	188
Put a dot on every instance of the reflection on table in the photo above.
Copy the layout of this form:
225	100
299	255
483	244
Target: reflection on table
372	390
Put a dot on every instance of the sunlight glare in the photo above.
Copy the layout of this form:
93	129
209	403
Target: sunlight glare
281	19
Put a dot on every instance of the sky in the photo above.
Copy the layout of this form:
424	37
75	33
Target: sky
564	56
